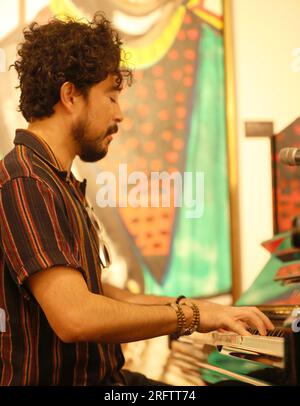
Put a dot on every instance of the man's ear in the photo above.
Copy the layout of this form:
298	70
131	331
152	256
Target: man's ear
69	95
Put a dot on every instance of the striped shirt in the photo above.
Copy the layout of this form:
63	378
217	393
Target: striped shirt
45	223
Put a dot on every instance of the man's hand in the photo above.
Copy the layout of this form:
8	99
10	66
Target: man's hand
237	319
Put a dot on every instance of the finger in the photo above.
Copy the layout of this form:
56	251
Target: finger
241	323
269	325
222	330
236	327
252	317
244	324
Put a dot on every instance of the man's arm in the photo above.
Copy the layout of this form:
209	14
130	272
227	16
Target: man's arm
76	314
127	296
212	315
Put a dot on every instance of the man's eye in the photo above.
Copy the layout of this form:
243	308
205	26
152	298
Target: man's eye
112	100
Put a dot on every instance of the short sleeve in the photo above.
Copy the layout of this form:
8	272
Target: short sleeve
35	231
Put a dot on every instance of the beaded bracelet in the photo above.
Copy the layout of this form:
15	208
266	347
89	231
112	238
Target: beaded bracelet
179	298
196	315
196	319
181	319
182	329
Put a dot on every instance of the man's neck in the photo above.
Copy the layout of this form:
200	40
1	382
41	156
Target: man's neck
58	140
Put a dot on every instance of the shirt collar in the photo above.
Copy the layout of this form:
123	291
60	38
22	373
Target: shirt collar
43	150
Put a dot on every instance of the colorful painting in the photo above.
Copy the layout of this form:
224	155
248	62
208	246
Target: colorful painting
175	123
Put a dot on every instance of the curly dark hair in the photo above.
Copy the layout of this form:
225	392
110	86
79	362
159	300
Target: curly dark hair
78	51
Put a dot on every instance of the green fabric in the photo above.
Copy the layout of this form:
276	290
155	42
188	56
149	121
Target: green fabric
236	365
200	258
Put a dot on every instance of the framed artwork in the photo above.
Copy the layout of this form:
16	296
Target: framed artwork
180	121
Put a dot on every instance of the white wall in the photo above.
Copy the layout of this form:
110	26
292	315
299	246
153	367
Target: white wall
9	13
9	16
265	33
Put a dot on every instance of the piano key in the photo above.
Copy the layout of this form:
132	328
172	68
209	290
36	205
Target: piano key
262	344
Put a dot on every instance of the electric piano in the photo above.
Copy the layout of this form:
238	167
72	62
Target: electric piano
274	359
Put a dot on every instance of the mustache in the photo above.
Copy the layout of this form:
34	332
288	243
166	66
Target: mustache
111	130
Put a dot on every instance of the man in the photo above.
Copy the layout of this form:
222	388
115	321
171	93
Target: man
63	325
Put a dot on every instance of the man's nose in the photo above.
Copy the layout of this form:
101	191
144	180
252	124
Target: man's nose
118	113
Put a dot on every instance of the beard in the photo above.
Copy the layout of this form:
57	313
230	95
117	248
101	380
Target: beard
91	150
